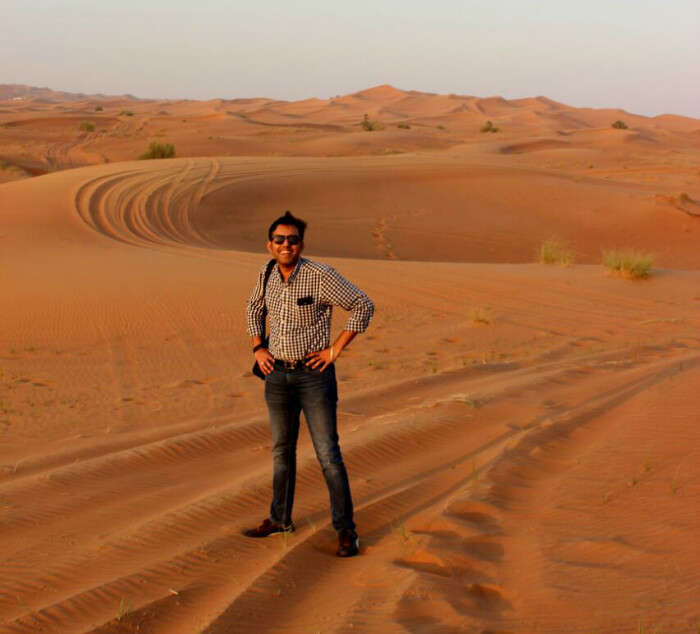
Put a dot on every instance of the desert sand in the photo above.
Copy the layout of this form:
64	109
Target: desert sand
522	439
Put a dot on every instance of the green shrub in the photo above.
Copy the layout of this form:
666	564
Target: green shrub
403	125
628	262
554	251
159	151
99	108
619	125
368	125
489	127
86	126
127	113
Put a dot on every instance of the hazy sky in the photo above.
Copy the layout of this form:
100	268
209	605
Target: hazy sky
640	55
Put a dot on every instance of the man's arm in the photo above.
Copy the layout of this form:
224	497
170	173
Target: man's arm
256	326
255	323
262	355
338	291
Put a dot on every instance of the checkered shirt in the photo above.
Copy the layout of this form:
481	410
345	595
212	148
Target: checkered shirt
300	309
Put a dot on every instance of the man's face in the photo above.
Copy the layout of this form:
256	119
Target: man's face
286	254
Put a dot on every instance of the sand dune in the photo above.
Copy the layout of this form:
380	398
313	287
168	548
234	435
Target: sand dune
42	130
521	439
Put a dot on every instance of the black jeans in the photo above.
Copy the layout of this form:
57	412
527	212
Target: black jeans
288	393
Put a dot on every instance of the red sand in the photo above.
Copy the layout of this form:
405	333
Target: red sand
522	439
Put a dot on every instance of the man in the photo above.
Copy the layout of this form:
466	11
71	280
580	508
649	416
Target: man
299	369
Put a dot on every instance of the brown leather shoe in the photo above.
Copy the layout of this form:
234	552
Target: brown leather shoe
268	527
348	543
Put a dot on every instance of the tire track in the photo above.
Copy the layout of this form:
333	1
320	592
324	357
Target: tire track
175	547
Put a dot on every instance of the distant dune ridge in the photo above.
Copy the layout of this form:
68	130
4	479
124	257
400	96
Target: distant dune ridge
507	425
589	183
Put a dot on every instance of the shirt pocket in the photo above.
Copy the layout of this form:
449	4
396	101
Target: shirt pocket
306	313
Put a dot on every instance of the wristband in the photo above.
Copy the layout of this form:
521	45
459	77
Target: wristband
256	348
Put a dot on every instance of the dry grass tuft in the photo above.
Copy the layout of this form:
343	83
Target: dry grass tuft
628	263
480	315
555	251
159	151
370	126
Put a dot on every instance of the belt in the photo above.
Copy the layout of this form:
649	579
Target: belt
289	365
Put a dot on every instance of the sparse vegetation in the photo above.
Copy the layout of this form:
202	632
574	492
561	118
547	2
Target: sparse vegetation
468	400
619	125
489	127
86	126
159	151
402	532
403	125
123	610
99	108
126	113
684	197
441	127
674	486
480	316
554	251
369	125
628	262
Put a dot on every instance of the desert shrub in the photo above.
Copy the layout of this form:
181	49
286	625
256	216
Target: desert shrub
480	315
127	113
684	198
619	125
403	125
369	125
99	108
441	127
86	126
159	151
554	251
628	262
489	127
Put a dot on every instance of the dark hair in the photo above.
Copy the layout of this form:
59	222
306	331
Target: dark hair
287	219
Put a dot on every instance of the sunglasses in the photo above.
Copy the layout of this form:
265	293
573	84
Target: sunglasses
292	240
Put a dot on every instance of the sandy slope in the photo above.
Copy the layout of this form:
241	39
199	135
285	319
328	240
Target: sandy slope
439	188
522	440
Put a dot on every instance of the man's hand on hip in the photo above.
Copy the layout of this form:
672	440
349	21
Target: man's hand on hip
265	361
320	360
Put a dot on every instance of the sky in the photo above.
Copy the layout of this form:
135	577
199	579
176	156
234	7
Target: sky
643	56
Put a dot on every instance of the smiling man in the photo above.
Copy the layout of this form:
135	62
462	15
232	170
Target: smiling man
299	369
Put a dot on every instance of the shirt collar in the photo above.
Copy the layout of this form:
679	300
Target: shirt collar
293	274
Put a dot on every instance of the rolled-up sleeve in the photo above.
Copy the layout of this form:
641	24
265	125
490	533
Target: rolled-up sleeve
255	322
336	290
